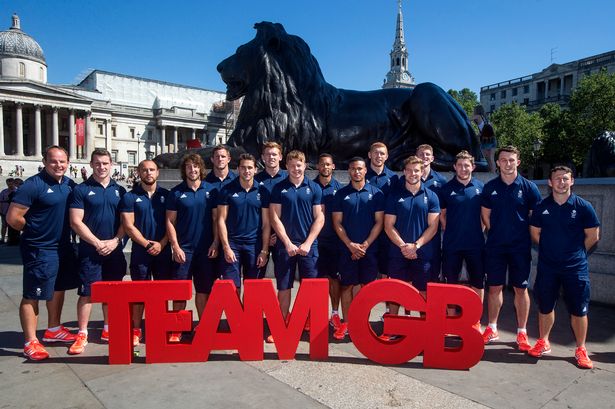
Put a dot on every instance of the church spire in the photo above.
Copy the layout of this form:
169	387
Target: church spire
399	76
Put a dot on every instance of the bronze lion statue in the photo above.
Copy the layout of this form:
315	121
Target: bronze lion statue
287	100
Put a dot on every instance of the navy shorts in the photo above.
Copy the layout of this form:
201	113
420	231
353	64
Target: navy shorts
361	271
383	244
246	255
452	263
40	269
412	271
199	268
328	255
94	268
518	263
575	285
285	267
144	267
436	257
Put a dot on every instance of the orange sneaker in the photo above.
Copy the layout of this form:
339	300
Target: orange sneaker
522	342
35	351
269	339
387	337
341	332
583	360
490	335
104	336
136	336
542	347
175	337
335	321
79	344
61	335
477	326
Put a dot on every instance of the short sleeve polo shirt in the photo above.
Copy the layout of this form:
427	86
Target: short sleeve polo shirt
100	207
327	234
149	213
463	223
244	217
562	234
193	224
510	209
47	222
384	181
217	183
267	182
358	208
411	213
296	204
434	181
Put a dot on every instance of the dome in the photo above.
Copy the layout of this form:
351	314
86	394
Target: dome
16	43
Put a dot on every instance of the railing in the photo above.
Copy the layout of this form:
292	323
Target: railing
509	82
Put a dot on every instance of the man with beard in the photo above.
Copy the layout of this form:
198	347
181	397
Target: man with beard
507	203
143	217
411	221
565	227
297	217
94	216
462	227
328	242
243	226
39	209
192	232
358	214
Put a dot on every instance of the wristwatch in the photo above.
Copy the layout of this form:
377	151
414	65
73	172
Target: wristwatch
149	245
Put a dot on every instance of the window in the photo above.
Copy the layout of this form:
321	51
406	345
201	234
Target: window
526	89
22	70
491	108
132	157
502	94
514	92
100	129
149	155
397	60
41	74
526	101
132	133
114	131
114	156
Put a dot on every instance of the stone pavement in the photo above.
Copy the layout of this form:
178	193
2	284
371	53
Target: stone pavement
505	378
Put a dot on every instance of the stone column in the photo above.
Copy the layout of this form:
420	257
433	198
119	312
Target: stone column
72	138
108	134
56	129
1	130
175	140
163	148
38	152
89	135
19	128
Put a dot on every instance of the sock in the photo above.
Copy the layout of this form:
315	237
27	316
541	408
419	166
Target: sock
83	331
54	329
520	330
27	344
494	327
106	327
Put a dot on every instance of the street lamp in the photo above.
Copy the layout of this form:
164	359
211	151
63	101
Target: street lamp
138	144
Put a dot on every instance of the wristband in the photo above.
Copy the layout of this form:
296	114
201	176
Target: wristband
149	245
417	245
264	252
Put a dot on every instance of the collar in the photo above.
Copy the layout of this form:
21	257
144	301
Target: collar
46	177
92	182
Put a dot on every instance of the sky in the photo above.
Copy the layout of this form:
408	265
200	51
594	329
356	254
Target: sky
452	43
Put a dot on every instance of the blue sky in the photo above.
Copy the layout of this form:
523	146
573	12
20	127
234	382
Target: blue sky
455	44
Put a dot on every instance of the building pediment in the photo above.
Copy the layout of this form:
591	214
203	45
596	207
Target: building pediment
33	92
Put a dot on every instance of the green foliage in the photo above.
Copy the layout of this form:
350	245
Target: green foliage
592	111
514	126
557	141
466	98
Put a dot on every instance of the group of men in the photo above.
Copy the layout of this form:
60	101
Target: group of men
417	227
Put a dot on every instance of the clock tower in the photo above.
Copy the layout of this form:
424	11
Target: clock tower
399	76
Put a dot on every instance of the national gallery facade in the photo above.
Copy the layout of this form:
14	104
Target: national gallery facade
134	118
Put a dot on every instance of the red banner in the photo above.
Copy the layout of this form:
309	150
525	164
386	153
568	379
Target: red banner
193	143
80	131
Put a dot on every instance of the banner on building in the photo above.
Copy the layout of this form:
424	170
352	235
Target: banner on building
193	143
80	131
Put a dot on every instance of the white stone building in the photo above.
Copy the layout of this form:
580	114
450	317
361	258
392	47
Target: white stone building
398	75
134	118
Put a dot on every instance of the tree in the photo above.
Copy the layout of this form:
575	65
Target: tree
514	126
592	111
557	142
466	98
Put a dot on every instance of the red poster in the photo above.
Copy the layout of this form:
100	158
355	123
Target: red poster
80	131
